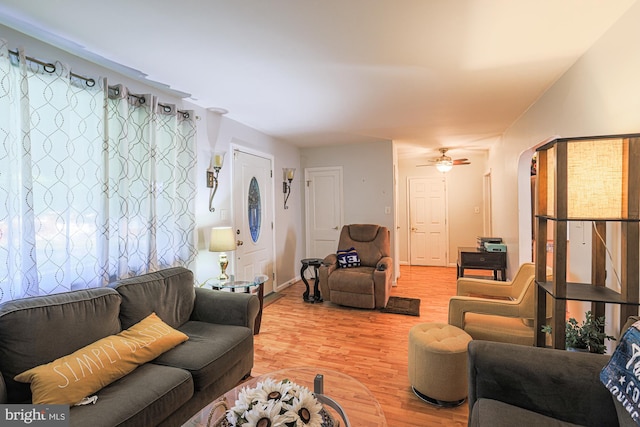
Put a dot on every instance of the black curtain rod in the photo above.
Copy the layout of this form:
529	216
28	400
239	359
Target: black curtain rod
141	98
51	68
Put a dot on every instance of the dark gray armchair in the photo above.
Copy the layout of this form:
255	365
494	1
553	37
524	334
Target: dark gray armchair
515	385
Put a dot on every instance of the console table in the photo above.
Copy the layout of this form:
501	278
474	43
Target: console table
476	259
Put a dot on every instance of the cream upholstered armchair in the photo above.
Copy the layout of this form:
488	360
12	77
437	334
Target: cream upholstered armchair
367	285
496	311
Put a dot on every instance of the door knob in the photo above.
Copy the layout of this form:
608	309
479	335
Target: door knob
335	228
239	243
414	229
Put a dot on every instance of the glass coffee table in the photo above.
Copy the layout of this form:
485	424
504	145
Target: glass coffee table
357	402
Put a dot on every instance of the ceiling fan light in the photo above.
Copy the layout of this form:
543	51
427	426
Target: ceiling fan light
444	166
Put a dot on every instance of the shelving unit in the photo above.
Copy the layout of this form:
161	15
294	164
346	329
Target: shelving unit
587	179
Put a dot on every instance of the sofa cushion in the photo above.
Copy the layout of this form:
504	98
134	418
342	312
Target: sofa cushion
357	280
144	397
211	350
169	293
498	328
27	325
69	379
353	287
493	413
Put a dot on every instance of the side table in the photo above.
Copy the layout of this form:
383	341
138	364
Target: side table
315	263
475	259
233	284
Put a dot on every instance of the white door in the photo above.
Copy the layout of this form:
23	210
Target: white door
427	219
253	217
324	214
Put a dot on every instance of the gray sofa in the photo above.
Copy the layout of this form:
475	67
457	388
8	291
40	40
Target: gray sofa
166	391
516	385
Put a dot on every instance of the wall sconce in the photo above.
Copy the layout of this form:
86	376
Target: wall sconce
221	240
212	176
287	177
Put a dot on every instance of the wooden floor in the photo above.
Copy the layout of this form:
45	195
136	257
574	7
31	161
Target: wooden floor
366	344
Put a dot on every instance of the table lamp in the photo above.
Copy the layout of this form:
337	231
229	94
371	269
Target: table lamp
222	239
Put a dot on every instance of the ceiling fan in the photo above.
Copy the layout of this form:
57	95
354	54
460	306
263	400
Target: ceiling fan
444	163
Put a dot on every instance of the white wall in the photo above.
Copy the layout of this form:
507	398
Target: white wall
219	133
464	194
597	96
367	179
368	189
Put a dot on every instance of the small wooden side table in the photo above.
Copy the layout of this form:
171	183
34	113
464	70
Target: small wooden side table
482	260
315	263
233	284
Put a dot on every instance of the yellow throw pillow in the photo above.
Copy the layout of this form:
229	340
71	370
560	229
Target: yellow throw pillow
67	380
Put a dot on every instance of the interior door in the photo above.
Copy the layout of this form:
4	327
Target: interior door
427	219
324	211
253	217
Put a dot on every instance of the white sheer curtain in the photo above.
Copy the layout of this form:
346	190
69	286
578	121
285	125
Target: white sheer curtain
151	186
92	188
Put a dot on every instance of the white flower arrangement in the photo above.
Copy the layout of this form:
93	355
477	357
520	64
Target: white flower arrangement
276	404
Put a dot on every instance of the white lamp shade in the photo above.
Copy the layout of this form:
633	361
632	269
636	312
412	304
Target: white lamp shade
595	168
222	239
595	179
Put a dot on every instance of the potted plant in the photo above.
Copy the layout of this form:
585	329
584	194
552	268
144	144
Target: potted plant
588	336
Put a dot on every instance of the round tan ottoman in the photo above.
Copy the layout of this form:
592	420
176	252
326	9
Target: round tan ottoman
438	363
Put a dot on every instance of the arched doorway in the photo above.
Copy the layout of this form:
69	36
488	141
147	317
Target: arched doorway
526	202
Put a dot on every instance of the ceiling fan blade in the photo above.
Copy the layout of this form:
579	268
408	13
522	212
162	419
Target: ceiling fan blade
461	162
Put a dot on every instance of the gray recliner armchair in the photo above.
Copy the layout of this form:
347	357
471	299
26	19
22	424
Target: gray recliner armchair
367	285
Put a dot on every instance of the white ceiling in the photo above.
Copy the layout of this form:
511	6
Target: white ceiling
424	73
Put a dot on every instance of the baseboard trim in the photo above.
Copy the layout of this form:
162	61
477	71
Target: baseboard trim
286	284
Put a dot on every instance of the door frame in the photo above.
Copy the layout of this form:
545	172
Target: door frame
447	255
236	145
487	195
